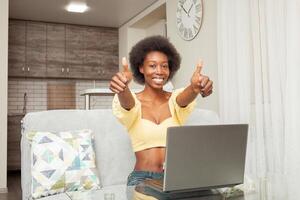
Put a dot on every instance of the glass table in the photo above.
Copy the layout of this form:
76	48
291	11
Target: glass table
133	193
273	188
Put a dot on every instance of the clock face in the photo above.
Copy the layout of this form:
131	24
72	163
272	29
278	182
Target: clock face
189	18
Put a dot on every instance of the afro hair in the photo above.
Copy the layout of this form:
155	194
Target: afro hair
153	43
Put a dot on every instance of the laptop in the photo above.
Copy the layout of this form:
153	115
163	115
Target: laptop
202	158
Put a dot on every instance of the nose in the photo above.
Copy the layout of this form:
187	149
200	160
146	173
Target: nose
159	69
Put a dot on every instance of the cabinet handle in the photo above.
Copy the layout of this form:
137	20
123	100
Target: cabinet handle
23	69
28	69
68	70
101	71
62	69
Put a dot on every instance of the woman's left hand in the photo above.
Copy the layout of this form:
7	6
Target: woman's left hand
201	83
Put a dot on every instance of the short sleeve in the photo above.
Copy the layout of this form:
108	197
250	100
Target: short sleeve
181	113
126	117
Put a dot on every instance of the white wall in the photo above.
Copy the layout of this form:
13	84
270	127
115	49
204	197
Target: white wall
3	92
203	46
158	28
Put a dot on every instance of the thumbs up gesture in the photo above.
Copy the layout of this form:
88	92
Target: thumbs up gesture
120	80
201	83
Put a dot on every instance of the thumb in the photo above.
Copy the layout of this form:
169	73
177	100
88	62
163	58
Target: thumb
125	65
126	71
199	66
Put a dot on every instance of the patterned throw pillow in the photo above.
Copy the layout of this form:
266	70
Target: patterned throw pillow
62	162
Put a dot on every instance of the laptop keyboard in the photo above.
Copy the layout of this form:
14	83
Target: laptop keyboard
154	187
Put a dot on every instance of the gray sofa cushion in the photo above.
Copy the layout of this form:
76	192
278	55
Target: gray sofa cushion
203	117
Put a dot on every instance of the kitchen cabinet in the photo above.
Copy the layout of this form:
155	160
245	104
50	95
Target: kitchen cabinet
16	50
35	50
52	50
87	56
75	53
27	49
55	60
101	52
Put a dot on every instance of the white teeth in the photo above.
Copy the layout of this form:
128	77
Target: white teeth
158	80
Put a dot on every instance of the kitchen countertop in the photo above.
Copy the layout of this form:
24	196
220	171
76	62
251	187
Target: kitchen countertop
102	91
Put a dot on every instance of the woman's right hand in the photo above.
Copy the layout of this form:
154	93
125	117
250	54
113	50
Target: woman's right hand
119	82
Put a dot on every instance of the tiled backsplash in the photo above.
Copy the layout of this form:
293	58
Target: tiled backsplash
36	94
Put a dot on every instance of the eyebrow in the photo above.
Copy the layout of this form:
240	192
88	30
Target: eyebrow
155	61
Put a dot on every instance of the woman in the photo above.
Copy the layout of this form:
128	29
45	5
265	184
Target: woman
148	114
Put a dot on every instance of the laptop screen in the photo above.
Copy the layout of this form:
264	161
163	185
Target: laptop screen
205	157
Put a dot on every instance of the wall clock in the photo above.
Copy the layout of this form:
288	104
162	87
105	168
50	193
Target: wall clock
189	18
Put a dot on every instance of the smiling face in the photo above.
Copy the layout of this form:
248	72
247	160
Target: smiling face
155	69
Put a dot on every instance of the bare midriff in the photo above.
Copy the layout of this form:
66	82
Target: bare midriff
150	159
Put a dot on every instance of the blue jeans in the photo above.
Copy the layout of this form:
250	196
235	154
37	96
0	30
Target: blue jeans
137	177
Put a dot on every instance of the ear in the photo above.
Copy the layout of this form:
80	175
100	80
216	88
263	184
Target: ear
141	69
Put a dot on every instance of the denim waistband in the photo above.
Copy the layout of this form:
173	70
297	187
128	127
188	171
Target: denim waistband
147	174
137	177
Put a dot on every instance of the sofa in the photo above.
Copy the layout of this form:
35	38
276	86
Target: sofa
114	156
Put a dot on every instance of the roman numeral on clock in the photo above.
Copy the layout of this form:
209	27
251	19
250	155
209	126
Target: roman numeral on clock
185	33
179	20
181	28
181	1
198	8
190	33
195	28
198	20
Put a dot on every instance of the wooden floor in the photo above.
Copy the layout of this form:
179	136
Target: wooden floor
14	187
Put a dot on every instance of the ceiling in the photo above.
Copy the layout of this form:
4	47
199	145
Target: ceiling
108	13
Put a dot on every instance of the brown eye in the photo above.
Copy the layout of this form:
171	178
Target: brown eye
152	66
166	66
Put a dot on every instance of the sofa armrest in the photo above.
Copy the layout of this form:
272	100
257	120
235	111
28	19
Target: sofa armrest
203	117
25	166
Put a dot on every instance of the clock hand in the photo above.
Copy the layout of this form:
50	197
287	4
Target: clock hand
184	9
190	10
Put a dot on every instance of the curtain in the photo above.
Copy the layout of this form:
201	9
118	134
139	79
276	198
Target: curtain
292	96
259	69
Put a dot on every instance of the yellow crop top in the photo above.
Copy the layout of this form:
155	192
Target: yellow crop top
144	133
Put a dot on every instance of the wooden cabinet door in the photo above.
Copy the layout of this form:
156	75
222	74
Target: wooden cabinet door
92	62
56	43
101	51
16	48
109	67
74	51
92	55
91	52
108	47
36	49
109	42
50	50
